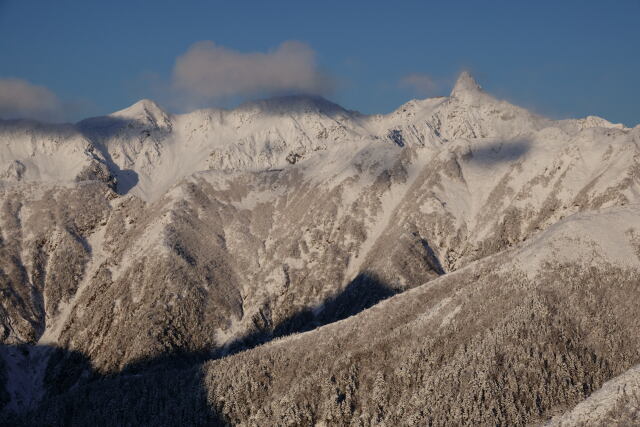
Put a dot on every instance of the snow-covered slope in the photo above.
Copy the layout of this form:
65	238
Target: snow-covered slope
511	339
159	150
617	403
149	150
142	234
47	154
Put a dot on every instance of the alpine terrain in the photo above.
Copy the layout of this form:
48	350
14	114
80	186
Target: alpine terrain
459	261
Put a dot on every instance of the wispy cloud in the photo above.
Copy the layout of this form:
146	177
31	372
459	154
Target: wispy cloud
21	99
208	72
420	84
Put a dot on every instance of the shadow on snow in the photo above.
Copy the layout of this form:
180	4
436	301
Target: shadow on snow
165	390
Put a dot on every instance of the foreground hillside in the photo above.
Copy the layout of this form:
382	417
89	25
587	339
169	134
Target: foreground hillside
512	339
141	248
616	403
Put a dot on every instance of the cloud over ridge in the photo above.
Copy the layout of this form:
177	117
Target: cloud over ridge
208	72
21	99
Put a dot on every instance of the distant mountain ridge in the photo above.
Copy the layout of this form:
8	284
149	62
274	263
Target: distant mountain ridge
267	134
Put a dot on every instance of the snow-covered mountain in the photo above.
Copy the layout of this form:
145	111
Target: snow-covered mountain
145	238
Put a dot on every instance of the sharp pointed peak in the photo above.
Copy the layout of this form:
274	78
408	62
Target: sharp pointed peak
144	111
144	106
465	84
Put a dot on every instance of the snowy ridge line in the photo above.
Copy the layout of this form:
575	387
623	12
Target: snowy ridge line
148	150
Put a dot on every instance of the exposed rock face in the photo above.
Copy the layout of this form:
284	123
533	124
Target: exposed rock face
144	239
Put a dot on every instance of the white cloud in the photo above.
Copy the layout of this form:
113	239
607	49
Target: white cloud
208	72
420	84
21	99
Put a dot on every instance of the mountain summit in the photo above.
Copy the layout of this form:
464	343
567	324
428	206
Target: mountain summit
145	112
466	88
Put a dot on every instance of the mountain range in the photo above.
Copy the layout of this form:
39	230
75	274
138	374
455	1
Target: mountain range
459	261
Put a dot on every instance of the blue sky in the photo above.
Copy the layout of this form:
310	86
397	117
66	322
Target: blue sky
560	58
